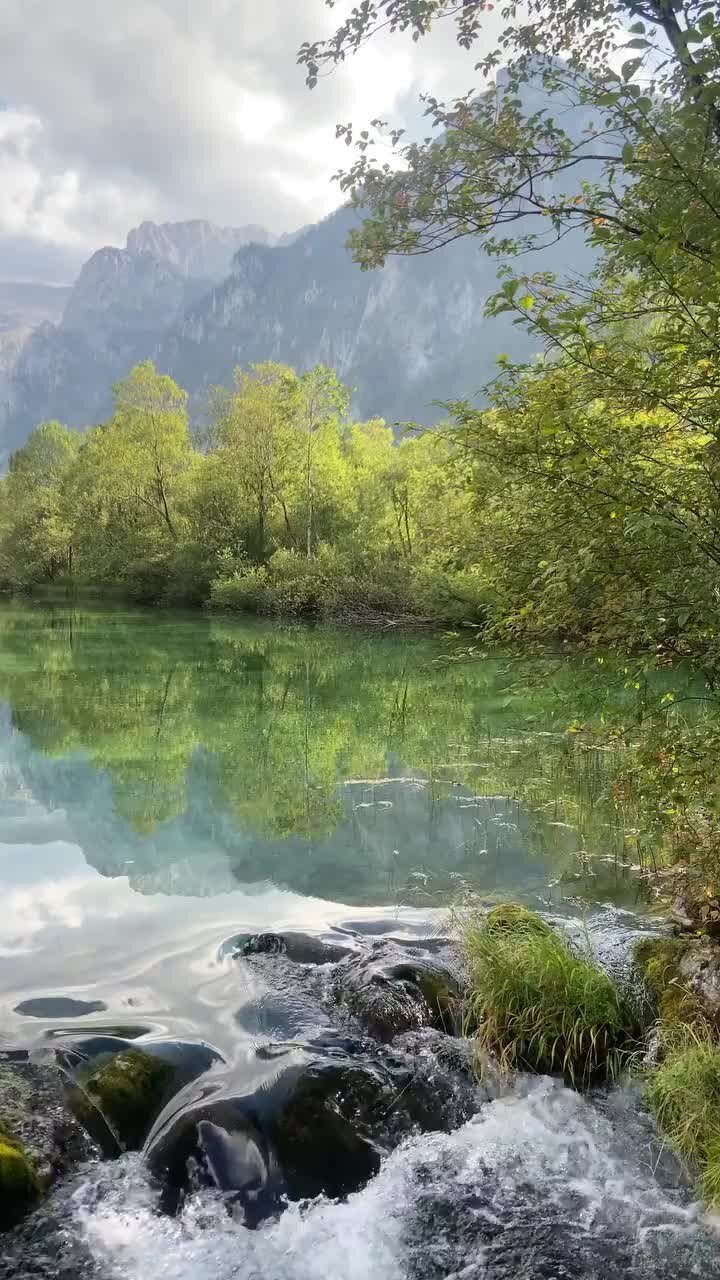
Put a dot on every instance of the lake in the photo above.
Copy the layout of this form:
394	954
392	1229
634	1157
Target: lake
168	781
173	786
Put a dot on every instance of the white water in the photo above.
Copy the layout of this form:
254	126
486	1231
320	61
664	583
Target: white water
540	1185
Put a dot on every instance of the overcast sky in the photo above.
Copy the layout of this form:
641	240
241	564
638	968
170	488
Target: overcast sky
172	109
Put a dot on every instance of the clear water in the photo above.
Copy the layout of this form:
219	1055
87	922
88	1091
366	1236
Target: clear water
167	781
541	1185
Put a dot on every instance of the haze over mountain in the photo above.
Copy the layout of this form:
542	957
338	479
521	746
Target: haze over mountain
200	299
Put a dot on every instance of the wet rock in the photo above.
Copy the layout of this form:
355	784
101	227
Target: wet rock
300	948
19	1185
394	988
307	1120
39	1141
263	944
116	1096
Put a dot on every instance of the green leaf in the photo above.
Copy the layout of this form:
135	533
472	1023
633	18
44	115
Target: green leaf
527	302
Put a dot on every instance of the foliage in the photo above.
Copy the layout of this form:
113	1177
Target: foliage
538	1005
291	510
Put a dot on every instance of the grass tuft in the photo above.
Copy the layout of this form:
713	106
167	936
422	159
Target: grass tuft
538	1006
684	1094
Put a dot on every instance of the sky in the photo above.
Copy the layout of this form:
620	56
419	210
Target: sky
172	109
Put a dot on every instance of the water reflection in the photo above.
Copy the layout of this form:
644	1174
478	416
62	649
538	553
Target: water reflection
169	780
192	755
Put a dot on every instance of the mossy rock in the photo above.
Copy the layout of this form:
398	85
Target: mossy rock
19	1184
658	960
511	917
118	1096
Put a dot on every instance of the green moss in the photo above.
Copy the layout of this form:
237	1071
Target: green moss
19	1186
510	916
684	1094
127	1090
536	1005
658	959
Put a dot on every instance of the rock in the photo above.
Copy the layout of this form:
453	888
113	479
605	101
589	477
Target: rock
393	988
691	914
682	976
39	1141
116	1096
699	967
301	948
19	1184
306	1120
263	944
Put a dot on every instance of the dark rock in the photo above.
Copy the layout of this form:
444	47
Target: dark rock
394	988
306	1120
301	948
263	944
116	1095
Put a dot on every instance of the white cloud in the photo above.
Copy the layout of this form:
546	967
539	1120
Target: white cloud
171	109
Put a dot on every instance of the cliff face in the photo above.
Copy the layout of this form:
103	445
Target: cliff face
196	249
188	297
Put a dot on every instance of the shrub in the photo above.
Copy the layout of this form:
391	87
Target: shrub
537	1005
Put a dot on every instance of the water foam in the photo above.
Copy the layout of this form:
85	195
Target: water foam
540	1185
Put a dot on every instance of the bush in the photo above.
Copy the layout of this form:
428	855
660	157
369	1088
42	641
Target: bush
538	1006
684	1094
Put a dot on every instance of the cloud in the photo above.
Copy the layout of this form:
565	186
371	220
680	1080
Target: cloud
171	109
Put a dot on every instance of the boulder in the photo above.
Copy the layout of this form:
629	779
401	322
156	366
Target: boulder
297	1121
116	1094
394	988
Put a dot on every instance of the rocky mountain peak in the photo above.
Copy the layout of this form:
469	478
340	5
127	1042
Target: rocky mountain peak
196	249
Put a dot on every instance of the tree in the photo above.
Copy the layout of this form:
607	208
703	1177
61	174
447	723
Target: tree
322	401
35	527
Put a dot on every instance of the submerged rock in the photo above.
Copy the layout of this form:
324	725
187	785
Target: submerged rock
116	1095
394	988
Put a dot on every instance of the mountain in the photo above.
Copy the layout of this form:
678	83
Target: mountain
25	305
200	299
196	249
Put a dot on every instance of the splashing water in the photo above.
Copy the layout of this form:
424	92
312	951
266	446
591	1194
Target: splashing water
543	1185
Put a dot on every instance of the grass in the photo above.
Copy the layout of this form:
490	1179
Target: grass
684	1094
536	1005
